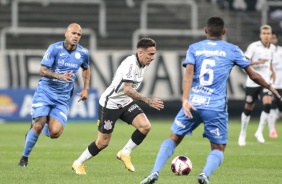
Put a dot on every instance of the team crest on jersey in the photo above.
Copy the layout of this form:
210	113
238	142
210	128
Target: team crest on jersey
61	62
108	125
77	55
249	99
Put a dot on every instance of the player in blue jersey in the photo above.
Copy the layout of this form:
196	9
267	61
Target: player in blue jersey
50	103
208	65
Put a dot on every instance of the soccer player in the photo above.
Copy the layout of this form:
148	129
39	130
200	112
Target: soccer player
276	108
117	102
260	54
50	103
208	65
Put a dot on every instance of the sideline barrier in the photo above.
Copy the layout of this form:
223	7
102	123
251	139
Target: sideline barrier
15	105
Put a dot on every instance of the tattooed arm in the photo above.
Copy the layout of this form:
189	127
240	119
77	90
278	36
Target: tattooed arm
152	102
45	72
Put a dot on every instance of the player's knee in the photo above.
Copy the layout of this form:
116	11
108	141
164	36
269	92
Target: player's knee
55	132
38	124
266	108
147	127
247	112
102	144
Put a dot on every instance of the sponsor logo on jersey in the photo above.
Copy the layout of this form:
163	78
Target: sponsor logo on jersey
77	55
200	100
211	53
212	43
73	65
46	55
108	125
129	71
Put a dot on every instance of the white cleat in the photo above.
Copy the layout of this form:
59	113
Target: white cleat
260	138
242	139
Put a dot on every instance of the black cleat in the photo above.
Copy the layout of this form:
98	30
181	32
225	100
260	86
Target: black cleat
23	162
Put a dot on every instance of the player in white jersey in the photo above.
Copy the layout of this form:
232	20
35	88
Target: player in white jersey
260	54
117	102
276	108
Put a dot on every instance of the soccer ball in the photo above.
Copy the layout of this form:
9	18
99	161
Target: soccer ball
181	165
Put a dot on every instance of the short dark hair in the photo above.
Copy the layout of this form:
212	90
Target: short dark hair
215	26
145	43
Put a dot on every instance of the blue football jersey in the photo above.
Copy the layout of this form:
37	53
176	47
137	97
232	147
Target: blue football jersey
60	60
213	61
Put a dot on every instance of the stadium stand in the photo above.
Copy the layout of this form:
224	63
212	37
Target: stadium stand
121	19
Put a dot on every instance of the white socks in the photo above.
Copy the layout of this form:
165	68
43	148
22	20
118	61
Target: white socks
128	147
272	119
83	157
244	122
263	120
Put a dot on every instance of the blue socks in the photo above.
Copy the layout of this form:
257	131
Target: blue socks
30	141
214	159
165	152
45	130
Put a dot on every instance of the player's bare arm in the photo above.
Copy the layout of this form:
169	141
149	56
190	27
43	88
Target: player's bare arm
260	61
86	80
187	83
45	72
273	73
152	102
259	80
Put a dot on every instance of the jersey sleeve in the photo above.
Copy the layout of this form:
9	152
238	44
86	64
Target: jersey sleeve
85	63
129	71
49	57
190	58
240	58
249	52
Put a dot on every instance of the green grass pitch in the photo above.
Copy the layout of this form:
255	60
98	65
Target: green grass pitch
51	159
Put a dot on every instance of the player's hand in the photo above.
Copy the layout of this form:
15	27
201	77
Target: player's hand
187	106
156	103
83	95
67	76
262	61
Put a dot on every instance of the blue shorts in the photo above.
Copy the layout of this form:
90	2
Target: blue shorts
215	124
44	104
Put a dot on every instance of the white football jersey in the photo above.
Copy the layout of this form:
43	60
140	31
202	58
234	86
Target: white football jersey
130	70
255	52
277	65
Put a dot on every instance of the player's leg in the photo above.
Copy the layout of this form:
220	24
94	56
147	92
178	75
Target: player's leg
181	126
165	152
91	151
57	120
266	101
251	96
216	130
106	123
134	115
31	138
272	118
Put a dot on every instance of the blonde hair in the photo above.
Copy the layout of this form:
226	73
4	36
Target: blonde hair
265	27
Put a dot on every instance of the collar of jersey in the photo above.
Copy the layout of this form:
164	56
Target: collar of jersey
139	63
